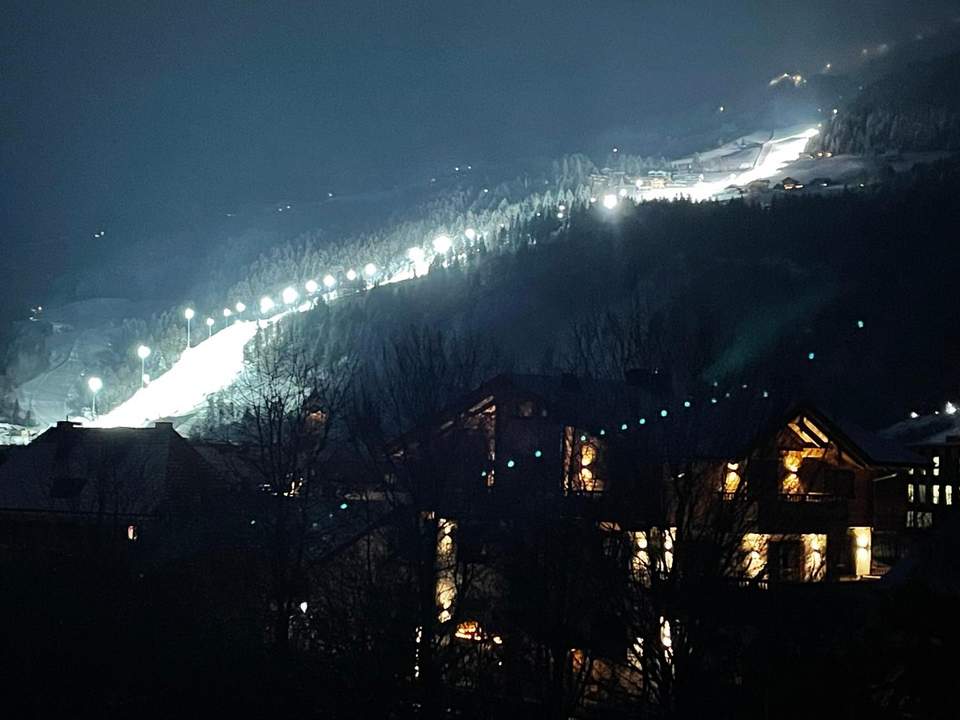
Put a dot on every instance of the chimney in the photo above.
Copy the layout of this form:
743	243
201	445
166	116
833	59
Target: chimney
569	382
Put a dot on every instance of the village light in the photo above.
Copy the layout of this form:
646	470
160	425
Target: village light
239	307
442	243
210	321
351	274
266	304
470	234
663	413
311	286
227	312
303	607
289	295
96	385
950	408
811	356
329	281
610	201
510	463
415	254
369	270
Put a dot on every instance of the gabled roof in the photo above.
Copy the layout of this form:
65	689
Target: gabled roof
126	471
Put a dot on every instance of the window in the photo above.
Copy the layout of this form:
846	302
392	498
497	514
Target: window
936	465
911	519
922	492
936	494
731	480
132	533
584	463
911	493
924	519
948	494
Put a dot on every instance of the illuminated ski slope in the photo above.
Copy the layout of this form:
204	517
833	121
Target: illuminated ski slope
777	153
215	363
203	370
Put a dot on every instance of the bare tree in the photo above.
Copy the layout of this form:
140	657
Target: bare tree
293	407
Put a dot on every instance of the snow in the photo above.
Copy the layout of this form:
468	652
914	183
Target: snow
203	370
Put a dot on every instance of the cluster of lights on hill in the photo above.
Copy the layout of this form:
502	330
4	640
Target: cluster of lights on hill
212	365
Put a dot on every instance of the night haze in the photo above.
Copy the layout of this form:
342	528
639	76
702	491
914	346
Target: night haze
479	359
147	118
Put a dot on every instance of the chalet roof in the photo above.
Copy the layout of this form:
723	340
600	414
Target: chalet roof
933	429
723	426
129	471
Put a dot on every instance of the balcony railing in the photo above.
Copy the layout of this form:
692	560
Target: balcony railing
810	498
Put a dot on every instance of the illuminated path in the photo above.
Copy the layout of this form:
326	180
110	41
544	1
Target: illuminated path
214	364
201	371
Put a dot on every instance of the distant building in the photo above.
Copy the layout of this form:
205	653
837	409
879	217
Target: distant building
789	183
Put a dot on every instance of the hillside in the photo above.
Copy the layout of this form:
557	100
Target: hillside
915	108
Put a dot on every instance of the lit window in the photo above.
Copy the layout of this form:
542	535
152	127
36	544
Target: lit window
132	534
936	464
936	494
731	480
910	518
910	493
923	493
948	494
924	519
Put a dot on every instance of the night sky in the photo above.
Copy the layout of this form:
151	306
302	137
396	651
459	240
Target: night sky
137	114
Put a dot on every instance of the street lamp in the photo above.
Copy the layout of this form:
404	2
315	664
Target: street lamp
266	304
311	286
188	314
289	295
329	282
143	352
210	322
471	234
227	312
610	201
95	384
369	270
351	274
240	307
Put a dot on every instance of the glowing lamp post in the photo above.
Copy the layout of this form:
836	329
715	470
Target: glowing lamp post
266	304
240	308
227	312
610	201
351	274
96	385
329	282
369	270
289	296
188	314
143	352
311	286
471	234
210	322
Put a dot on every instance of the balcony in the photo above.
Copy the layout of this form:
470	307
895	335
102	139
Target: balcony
802	512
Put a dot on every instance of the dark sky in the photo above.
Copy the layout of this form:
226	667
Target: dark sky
113	111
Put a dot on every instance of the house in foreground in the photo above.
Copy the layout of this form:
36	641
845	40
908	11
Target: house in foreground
78	491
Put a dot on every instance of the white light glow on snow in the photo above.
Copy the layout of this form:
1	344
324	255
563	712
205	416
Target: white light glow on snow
442	243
